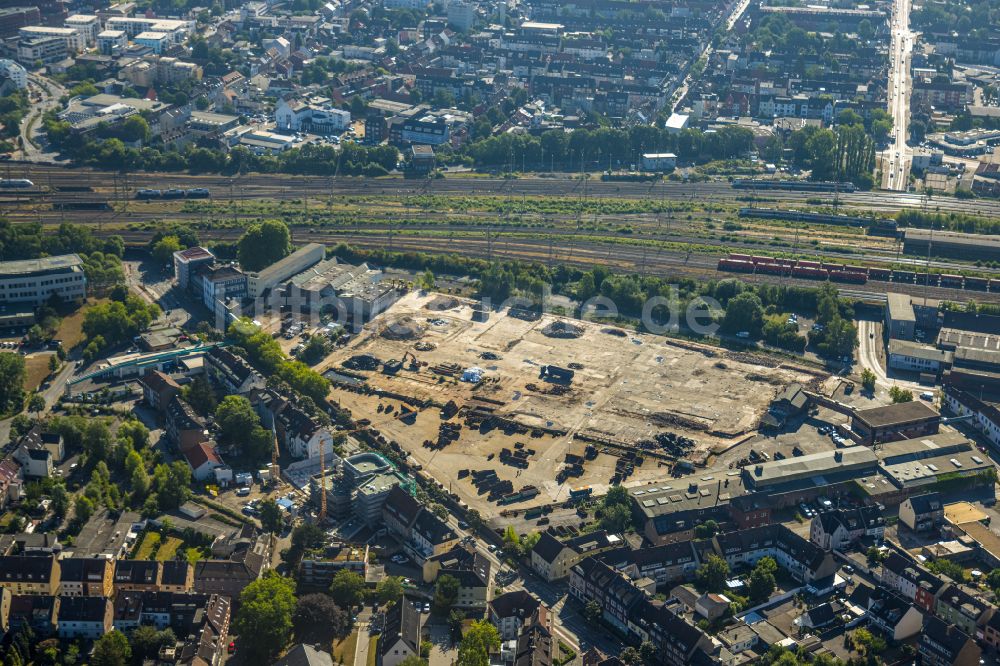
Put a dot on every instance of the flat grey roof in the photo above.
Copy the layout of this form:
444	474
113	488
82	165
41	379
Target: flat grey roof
29	266
952	238
812	465
904	412
917	350
900	308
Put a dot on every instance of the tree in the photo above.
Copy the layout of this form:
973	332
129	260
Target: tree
36	403
146	641
712	573
163	249
389	590
413	660
97	440
237	419
53	363
60	501
899	394
427	280
762	582
270	516
264	621
616	518
592	611
83	509
263	244
12	376
134	433
318	618
307	535
347	588
315	350
200	395
445	594
868	379
111	649
744	312
478	643
172	483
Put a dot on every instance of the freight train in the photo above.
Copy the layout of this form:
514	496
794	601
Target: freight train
815	270
875	226
794	185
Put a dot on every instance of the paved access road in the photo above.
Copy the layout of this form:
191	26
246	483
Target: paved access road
896	160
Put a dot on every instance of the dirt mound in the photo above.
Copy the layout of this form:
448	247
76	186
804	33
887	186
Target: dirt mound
562	329
440	303
404	328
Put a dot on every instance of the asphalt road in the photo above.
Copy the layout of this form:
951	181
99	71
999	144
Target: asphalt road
897	159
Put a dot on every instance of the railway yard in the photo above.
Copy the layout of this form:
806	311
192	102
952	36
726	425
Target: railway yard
542	390
680	229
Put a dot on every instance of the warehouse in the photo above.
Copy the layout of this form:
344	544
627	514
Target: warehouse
671	510
893	422
35	280
899	317
915	357
817	469
260	283
951	244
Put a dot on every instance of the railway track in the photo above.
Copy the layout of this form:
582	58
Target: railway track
257	186
580	254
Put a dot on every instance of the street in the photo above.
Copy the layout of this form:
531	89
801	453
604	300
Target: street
897	157
869	344
50	93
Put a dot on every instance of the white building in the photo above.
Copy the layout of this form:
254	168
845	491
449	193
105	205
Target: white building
35	280
659	162
158	41
280	271
87	25
676	122
297	116
73	39
915	357
405	4
45	50
14	72
134	26
111	41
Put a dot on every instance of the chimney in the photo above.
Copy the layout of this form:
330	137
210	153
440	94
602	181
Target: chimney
758	470
838	456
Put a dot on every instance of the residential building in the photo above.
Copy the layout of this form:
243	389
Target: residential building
402	634
137	575
87	25
896	617
943	644
911	581
552	559
469	567
75	42
36	280
45	50
985	416
39	612
303	116
423	534
922	513
316	572
232	372
305	655
112	42
86	577
185	429
510	611
965	611
85	617
36	462
176	576
158	389
31	574
203	459
837	529
12	70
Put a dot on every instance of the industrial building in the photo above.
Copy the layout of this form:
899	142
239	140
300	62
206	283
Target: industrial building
916	357
355	291
262	282
951	244
817	469
900	319
36	280
893	422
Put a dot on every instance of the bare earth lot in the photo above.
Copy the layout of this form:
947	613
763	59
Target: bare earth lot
630	387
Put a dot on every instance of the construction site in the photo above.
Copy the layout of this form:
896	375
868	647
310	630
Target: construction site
559	407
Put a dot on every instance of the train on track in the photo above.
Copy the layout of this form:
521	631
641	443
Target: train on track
875	226
793	185
15	183
176	193
846	273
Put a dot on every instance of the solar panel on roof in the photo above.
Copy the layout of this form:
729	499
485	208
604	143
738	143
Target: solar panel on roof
649	503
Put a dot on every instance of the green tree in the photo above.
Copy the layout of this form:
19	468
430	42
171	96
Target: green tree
111	649
270	516
236	418
762	581
53	363
36	403
263	244
163	249
172	483
744	312
60	501
712	573
11	382
146	641
898	394
389	590
478	643
615	518
318	618
445	594
592	611
83	509
347	588
200	395
868	379
264	621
